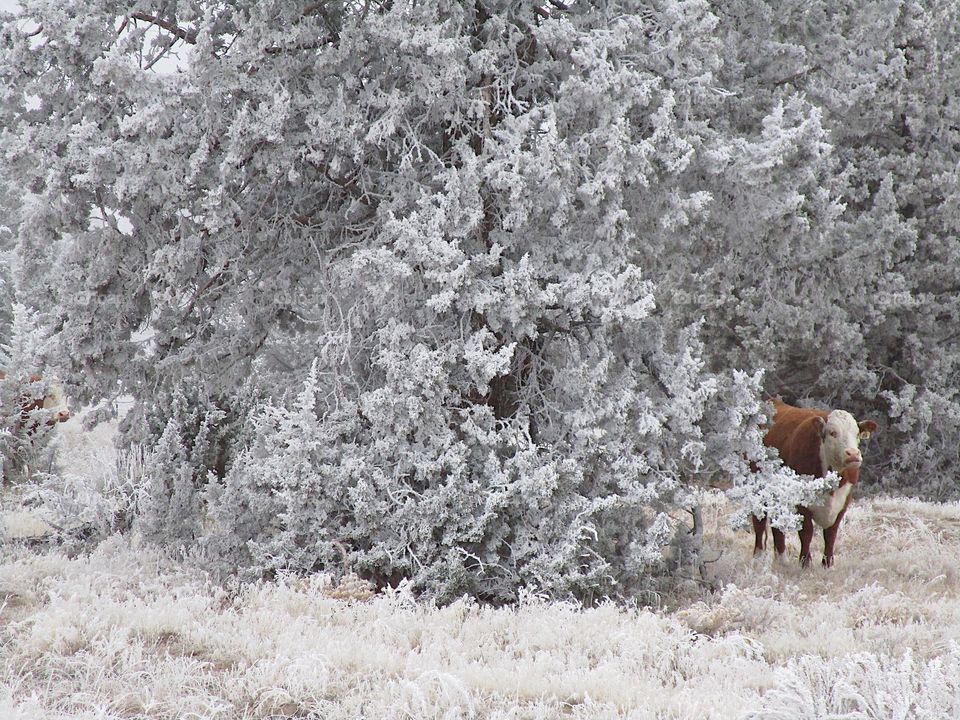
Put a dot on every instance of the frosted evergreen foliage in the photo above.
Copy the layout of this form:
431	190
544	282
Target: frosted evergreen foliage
858	311
175	471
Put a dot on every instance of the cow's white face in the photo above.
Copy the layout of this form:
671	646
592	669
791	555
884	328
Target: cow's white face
840	441
54	400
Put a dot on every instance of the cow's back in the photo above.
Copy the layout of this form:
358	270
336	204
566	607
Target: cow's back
796	436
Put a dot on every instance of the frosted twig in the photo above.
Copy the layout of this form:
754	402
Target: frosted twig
185	35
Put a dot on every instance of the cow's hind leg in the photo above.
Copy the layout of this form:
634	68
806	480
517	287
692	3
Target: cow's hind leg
779	542
759	533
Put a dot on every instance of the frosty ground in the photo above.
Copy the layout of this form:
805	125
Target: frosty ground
125	633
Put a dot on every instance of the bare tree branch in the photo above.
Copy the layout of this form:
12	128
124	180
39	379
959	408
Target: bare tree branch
188	36
276	49
545	12
160	55
797	75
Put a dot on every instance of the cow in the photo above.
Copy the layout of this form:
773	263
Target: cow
52	399
814	442
20	404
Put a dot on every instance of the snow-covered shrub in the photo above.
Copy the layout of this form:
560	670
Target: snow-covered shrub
176	468
474	217
417	485
94	505
848	296
927	421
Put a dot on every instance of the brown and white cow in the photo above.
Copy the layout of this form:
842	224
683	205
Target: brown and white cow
52	400
813	442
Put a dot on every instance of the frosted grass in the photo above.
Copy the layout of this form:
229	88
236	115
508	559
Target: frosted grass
123	633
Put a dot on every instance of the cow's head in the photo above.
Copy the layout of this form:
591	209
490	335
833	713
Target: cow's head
54	401
840	436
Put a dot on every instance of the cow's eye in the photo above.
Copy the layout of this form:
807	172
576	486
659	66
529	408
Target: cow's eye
834	433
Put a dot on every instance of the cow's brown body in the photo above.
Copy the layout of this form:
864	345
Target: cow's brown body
814	442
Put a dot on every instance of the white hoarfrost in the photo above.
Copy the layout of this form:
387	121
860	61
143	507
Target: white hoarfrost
125	633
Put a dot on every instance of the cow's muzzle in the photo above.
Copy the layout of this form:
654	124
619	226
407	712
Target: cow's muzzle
852	458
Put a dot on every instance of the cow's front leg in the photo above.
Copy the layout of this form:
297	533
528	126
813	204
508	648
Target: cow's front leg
806	537
830	538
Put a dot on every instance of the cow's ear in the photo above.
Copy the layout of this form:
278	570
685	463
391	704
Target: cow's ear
867	428
821	425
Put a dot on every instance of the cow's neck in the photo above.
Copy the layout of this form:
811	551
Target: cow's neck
848	476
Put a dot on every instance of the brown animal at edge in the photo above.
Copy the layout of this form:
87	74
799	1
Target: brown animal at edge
52	400
814	442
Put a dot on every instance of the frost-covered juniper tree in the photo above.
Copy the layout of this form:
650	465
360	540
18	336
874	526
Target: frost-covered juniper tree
410	280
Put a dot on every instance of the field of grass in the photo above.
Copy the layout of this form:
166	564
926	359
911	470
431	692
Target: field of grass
125	633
